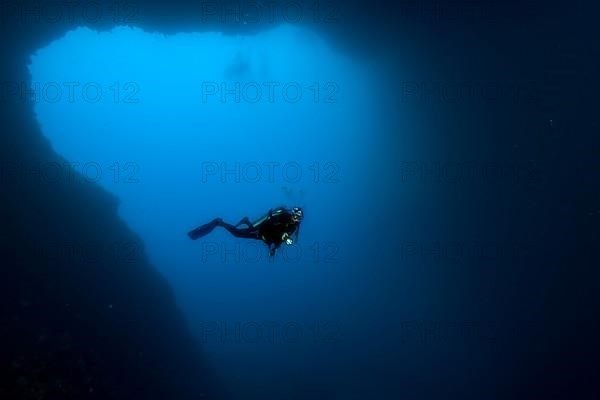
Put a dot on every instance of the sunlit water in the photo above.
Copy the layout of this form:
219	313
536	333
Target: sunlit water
188	127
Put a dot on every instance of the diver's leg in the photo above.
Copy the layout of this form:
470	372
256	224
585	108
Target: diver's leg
205	229
245	221
247	233
273	248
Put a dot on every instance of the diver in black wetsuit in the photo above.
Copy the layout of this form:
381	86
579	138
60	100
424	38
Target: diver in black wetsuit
274	228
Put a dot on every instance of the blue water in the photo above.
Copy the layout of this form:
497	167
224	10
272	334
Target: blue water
445	155
146	120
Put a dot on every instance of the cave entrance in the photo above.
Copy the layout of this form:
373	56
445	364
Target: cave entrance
187	127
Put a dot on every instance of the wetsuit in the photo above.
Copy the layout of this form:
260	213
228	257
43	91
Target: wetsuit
273	229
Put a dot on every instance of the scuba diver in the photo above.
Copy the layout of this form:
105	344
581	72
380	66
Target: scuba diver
275	228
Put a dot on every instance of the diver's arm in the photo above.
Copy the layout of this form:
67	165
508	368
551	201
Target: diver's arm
287	239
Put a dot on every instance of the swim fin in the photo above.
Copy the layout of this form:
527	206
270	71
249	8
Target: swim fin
204	230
